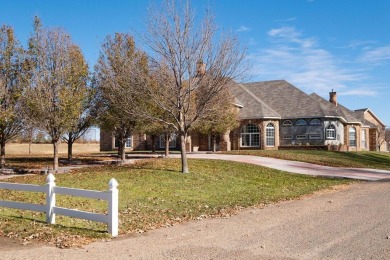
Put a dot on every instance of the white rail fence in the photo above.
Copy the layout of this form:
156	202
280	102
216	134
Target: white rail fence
111	219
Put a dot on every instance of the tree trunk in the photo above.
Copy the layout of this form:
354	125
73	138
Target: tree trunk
184	162
154	143
214	137
167	146
122	145
70	150
30	133
55	151
2	154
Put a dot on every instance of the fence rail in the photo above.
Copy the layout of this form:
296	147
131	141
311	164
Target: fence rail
50	189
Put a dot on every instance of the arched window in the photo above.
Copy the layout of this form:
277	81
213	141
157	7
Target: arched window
352	136
301	122
315	122
270	135
287	122
250	136
330	132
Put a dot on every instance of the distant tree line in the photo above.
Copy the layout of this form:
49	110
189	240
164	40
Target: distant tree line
176	84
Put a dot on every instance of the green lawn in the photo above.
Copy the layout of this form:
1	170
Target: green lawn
154	194
376	160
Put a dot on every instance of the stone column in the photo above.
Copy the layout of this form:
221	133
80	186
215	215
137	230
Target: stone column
225	144
188	143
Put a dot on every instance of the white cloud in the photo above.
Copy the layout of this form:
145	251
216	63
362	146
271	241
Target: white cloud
284	32
290	34
358	92
302	62
360	44
243	29
290	19
376	55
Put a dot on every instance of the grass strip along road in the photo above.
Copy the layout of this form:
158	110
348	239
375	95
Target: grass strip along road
375	160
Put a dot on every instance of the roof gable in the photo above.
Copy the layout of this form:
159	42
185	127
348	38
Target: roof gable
252	106
360	113
285	99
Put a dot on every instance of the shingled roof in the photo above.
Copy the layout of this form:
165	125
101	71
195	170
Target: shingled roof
285	99
280	99
252	106
331	110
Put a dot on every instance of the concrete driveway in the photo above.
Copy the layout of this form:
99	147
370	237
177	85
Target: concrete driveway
299	167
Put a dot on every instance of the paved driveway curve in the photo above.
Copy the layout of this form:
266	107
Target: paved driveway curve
299	167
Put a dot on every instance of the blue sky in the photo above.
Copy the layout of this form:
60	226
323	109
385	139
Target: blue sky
317	45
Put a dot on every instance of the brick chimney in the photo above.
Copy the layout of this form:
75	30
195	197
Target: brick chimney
333	97
200	68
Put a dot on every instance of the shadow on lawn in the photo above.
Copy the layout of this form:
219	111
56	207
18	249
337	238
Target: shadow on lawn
46	162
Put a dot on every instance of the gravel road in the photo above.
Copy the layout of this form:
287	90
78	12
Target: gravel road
351	222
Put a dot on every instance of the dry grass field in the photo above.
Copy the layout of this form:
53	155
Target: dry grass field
47	149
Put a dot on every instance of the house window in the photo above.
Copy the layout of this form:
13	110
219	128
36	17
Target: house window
172	142
330	132
301	136
301	122
315	122
250	136
270	135
128	144
352	136
314	136
286	137
364	144
287	122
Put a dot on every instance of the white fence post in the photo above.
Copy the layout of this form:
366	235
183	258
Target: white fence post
111	218
50	199
113	202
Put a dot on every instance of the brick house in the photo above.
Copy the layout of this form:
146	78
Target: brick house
137	142
277	115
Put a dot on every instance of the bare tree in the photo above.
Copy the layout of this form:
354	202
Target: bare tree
169	135
191	63
11	86
221	117
380	137
54	96
387	138
115	83
155	130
